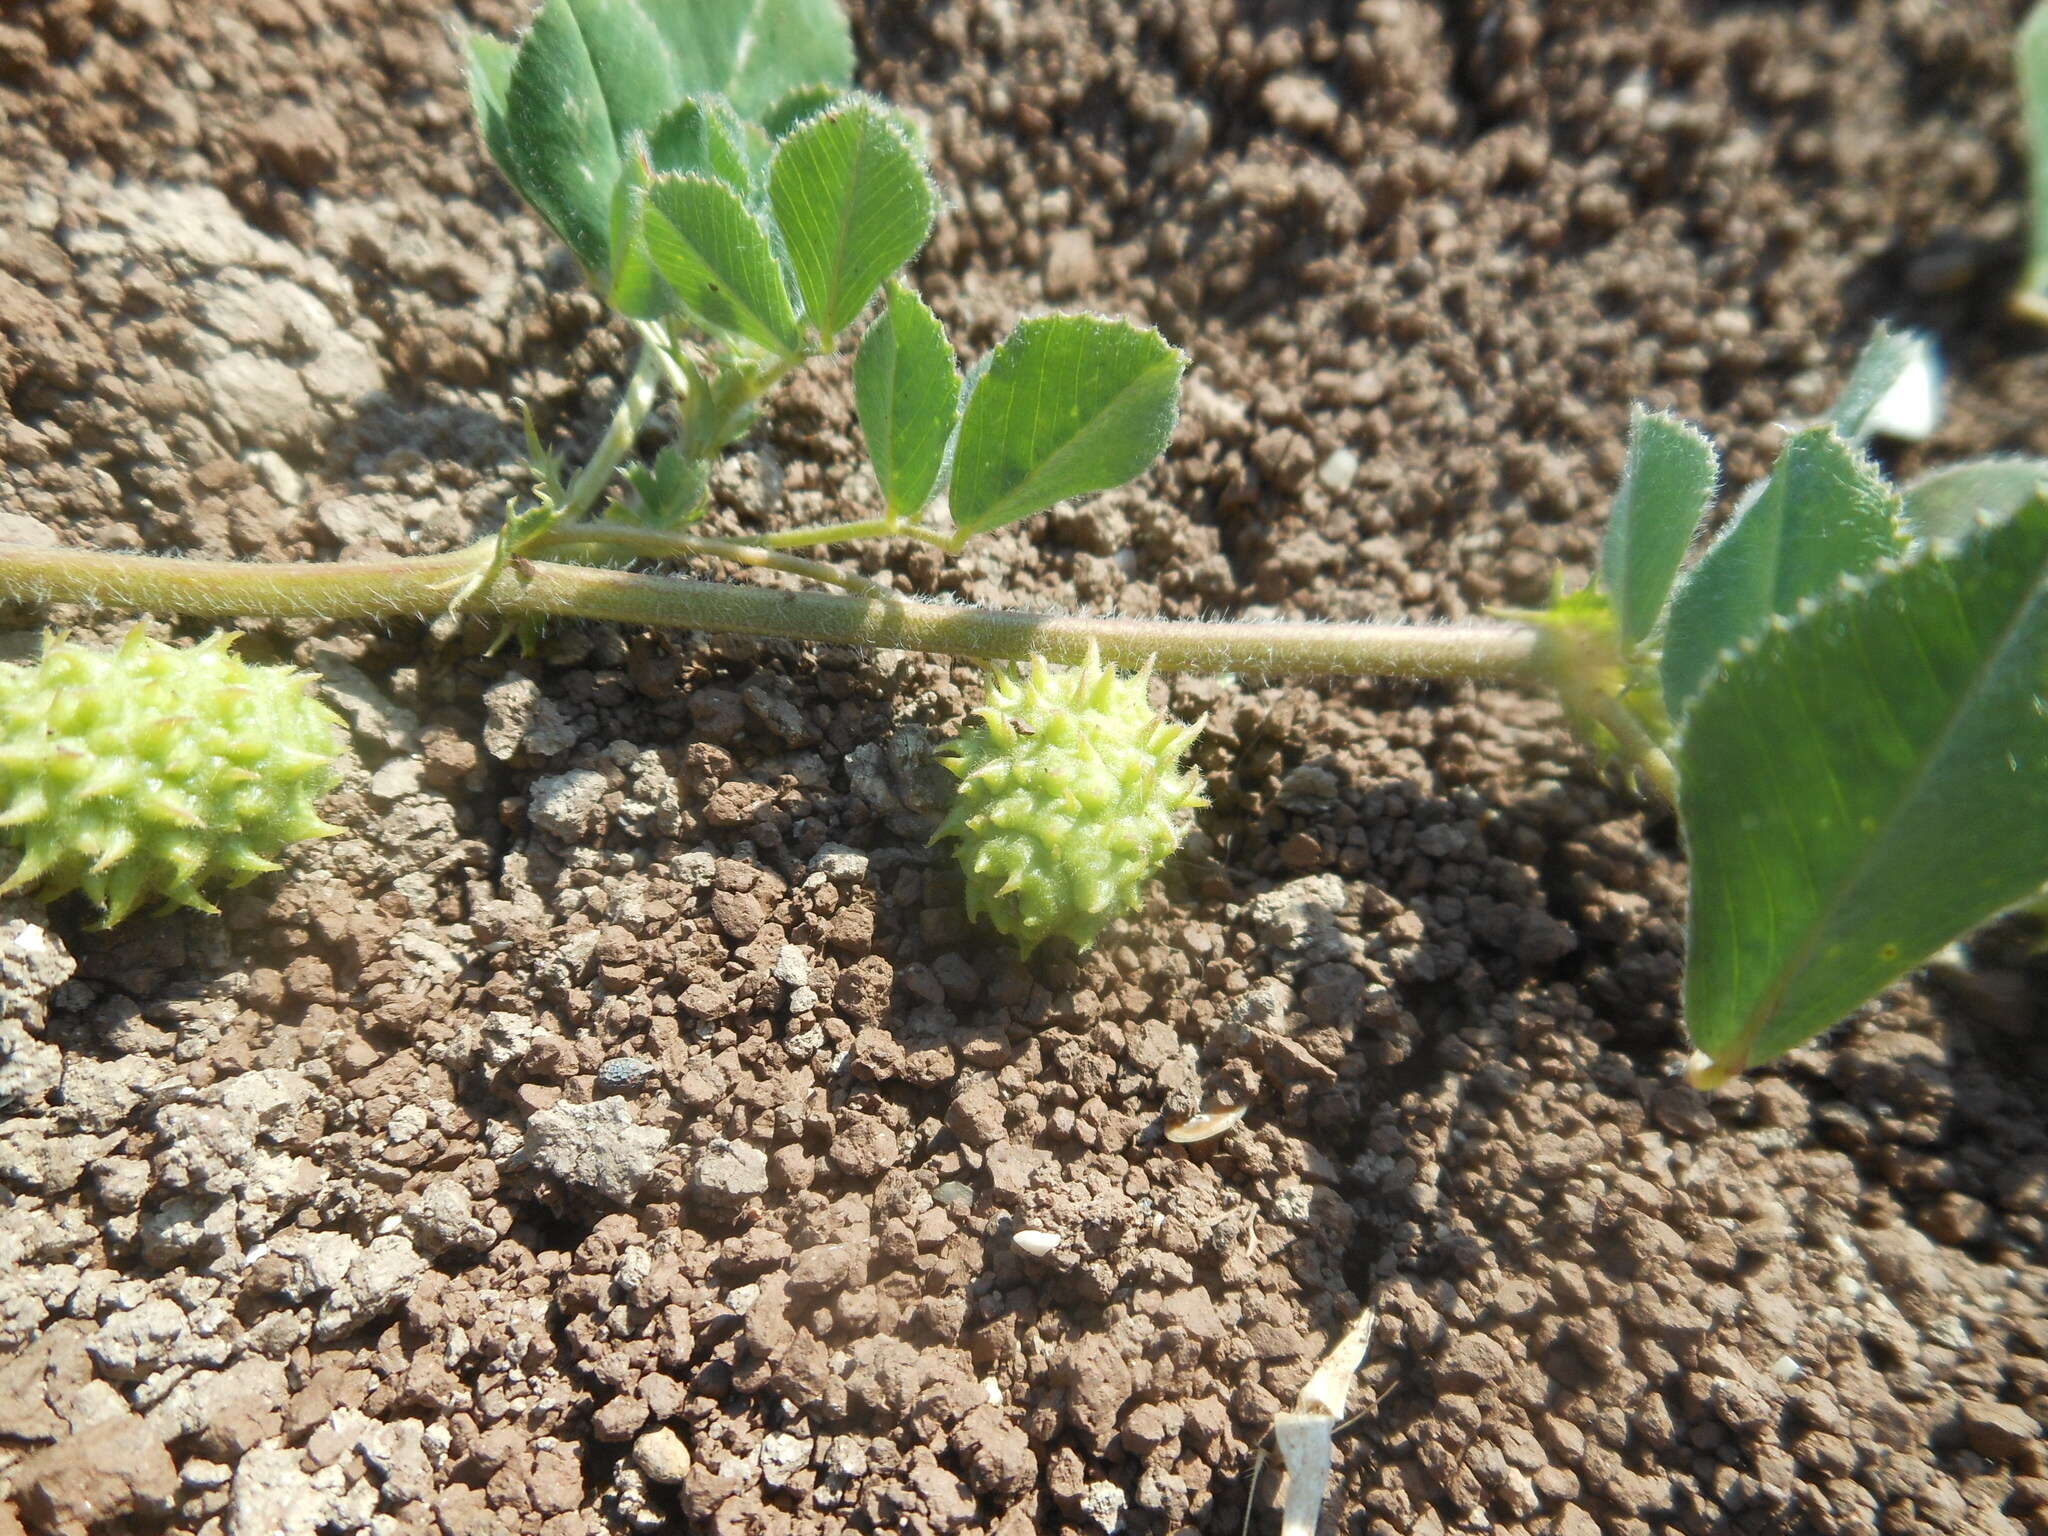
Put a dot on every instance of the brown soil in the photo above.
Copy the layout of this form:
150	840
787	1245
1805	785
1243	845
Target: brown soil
622	1130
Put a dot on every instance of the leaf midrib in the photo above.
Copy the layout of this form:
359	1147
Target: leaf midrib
1802	957
1049	462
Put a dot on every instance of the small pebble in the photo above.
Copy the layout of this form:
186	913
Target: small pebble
624	1072
1036	1243
1339	470
661	1456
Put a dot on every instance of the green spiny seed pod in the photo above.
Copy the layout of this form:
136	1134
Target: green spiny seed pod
1071	796
155	770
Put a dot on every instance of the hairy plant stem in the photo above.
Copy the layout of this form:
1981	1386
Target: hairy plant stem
865	528
642	391
421	586
664	544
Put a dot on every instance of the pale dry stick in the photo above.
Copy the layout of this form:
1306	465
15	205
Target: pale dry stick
1304	1436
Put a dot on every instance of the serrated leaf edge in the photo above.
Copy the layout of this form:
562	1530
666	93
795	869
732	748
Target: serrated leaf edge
971	382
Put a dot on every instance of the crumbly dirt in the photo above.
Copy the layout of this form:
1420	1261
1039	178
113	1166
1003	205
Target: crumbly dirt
621	1130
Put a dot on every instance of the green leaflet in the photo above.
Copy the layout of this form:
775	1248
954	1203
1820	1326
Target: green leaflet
631	59
669	494
793	107
557	134
1667	488
489	73
1825	513
637	290
1883	362
853	205
906	387
754	52
1068	404
702	137
2030	55
1947	503
1864	782
714	253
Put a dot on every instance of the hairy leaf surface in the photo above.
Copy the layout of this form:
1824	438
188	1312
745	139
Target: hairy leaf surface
1068	404
1825	513
560	151
1862	784
1666	490
714	253
906	386
853	205
702	137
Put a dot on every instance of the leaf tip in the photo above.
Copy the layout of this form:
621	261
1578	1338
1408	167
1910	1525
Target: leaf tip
1706	1074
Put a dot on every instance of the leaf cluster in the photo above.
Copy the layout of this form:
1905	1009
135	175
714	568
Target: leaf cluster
1853	674
724	187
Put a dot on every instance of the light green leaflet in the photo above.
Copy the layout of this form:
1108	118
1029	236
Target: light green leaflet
1068	404
1862	784
1825	513
794	106
907	389
649	54
1883	361
701	137
714	253
1947	503
754	52
853	205
1666	490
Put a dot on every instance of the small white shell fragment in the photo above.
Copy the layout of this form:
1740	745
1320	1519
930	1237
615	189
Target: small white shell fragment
1911	409
1204	1125
1034	1242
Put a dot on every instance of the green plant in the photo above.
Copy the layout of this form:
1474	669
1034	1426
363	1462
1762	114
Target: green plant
741	206
1842	695
154	771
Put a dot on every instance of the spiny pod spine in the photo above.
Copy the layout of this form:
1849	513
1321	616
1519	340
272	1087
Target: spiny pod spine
1072	795
153	771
